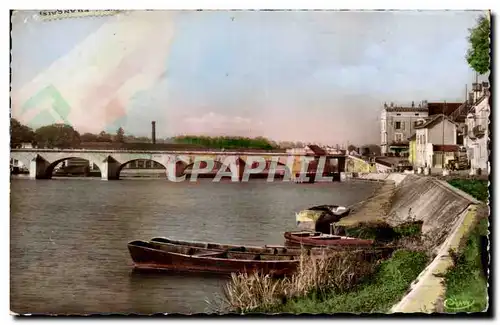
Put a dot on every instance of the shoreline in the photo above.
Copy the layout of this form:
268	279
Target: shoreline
447	215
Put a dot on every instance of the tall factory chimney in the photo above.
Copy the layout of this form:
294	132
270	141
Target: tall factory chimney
153	132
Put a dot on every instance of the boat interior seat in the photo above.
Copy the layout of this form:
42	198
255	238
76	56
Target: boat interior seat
207	254
326	237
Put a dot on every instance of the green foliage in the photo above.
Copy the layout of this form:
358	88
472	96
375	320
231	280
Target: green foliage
379	231
465	281
377	293
227	142
351	148
409	229
89	137
476	188
20	133
104	137
478	54
57	136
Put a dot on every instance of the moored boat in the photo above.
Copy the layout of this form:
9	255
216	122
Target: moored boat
216	247
223	259
317	239
319	218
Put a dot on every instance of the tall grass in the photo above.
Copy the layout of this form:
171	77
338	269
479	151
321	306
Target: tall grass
322	273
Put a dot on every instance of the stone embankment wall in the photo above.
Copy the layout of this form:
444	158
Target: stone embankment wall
448	215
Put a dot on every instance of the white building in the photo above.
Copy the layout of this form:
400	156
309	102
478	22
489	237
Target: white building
477	130
397	125
435	136
26	145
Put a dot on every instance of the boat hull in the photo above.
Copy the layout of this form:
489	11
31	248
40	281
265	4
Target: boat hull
150	257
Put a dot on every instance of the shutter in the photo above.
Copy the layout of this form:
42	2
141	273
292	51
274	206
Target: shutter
402	125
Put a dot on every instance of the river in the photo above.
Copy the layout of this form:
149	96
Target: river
68	237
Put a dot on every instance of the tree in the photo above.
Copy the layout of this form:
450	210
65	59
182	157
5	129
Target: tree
89	137
57	136
20	133
374	149
104	137
478	54
120	135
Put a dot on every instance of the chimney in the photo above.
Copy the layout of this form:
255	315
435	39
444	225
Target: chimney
153	132
412	104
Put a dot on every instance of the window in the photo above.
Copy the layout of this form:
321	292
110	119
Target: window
397	125
398	114
423	139
416	114
398	137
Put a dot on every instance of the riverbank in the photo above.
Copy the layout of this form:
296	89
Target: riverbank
411	280
467	280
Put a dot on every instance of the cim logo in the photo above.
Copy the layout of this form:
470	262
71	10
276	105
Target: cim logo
458	304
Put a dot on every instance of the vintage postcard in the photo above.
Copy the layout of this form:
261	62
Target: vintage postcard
263	161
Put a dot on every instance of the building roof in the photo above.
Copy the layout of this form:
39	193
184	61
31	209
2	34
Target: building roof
432	121
317	150
445	147
405	109
442	108
413	137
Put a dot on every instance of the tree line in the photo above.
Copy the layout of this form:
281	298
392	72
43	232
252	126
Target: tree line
57	136
65	136
227	142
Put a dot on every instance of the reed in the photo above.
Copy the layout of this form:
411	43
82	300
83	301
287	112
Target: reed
322	273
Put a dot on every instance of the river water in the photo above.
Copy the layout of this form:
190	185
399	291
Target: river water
68	244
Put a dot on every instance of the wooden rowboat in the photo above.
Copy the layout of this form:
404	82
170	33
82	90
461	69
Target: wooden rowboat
246	249
222	260
317	239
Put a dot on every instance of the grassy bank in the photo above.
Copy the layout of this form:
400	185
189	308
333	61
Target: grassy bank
378	293
476	188
344	288
466	283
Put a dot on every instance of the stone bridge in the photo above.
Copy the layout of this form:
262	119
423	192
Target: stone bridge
41	162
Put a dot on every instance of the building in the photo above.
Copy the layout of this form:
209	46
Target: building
143	164
78	162
412	156
397	125
476	128
436	108
436	141
315	150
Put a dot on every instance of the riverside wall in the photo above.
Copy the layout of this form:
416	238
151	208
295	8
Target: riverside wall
448	214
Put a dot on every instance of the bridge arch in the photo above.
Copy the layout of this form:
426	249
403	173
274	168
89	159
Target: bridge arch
156	165
49	170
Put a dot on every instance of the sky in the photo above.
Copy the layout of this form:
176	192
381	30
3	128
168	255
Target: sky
312	76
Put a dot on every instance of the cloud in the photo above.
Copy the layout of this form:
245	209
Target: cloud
217	124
